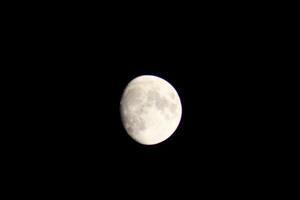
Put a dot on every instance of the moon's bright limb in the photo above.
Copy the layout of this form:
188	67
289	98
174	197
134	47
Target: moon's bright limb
150	109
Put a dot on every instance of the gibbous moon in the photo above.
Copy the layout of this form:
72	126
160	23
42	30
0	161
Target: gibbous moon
150	109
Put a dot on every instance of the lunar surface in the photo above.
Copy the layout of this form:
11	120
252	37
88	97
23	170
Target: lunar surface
150	109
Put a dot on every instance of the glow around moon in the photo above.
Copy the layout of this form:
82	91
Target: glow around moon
150	109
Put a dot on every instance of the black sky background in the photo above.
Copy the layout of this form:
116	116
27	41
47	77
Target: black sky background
76	68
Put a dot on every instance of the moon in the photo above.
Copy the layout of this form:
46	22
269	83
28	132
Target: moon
150	109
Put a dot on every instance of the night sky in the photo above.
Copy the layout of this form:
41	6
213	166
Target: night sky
77	127
70	84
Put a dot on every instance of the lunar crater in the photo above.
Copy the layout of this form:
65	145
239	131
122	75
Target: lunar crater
134	96
172	95
155	98
135	124
173	108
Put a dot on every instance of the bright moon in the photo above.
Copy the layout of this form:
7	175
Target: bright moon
150	109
